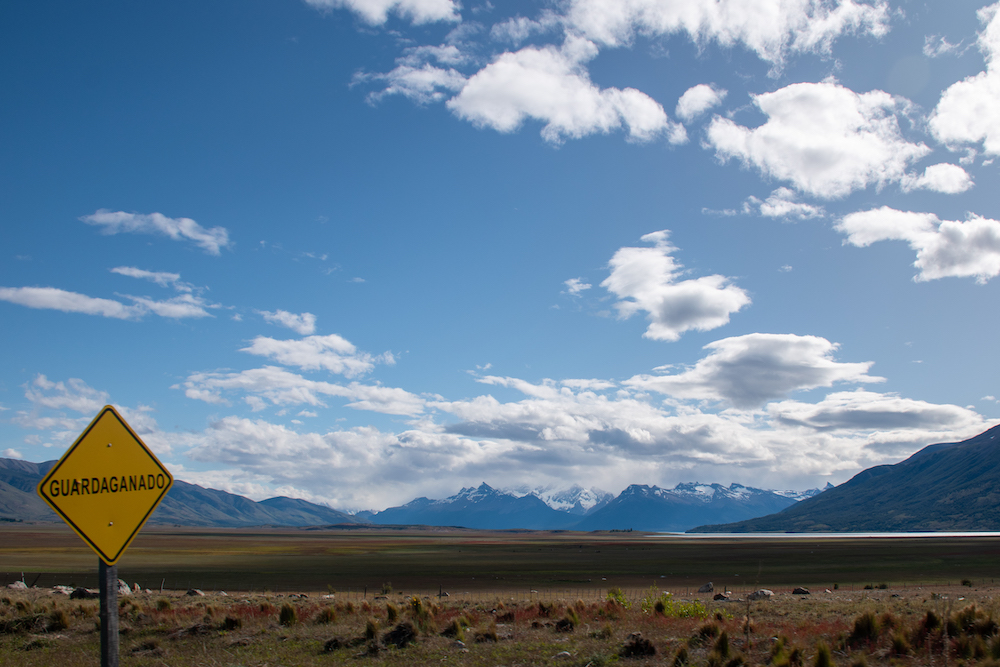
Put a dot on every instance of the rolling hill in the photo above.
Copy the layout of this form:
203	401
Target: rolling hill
943	487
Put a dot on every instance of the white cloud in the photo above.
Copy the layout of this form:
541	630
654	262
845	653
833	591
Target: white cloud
52	298
282	388
967	112
649	279
179	307
552	86
161	278
866	411
944	249
11	453
825	139
782	204
697	100
947	178
74	394
770	28
115	222
376	12
748	371
575	286
936	46
303	324
423	84
330	353
517	29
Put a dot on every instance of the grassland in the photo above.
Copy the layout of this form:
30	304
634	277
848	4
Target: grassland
508	593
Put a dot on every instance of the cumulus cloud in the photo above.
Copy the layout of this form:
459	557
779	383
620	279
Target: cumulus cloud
825	139
697	100
650	280
748	371
376	12
280	387
947	178
551	85
945	248
303	324
967	112
770	28
116	222
783	204
11	453
575	286
422	83
330	353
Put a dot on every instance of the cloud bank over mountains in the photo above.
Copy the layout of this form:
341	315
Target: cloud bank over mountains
731	397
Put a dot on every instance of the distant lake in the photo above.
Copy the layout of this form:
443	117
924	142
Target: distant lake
810	536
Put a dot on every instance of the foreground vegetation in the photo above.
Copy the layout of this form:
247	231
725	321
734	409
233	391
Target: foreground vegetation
324	597
872	627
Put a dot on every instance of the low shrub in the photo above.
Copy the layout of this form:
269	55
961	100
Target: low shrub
288	615
326	616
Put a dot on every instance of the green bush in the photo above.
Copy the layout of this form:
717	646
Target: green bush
616	596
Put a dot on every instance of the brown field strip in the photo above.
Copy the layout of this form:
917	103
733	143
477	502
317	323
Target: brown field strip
423	560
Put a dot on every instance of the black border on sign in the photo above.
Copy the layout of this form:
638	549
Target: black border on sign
110	560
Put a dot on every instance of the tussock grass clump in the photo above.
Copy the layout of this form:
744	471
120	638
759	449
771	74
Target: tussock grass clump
371	630
456	629
391	613
163	604
606	632
326	616
288	615
58	620
681	658
823	656
866	630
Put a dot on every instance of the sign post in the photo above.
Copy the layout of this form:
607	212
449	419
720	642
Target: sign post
105	487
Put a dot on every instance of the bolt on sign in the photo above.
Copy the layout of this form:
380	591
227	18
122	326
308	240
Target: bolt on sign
106	485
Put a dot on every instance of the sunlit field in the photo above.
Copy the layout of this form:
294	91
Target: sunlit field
405	597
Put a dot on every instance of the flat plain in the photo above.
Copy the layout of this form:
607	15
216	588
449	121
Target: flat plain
330	596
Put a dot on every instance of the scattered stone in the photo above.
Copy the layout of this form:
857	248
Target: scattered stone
84	594
565	625
762	594
18	586
561	655
192	631
458	644
443	594
721	596
136	588
401	635
800	591
707	588
62	590
194	592
332	645
123	589
637	646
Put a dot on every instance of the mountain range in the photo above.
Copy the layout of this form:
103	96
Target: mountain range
945	487
639	507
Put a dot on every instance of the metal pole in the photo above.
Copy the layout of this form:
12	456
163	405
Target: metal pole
108	574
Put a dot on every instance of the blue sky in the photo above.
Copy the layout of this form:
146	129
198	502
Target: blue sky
360	251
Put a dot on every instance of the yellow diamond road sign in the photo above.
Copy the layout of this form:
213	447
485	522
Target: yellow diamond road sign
106	485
